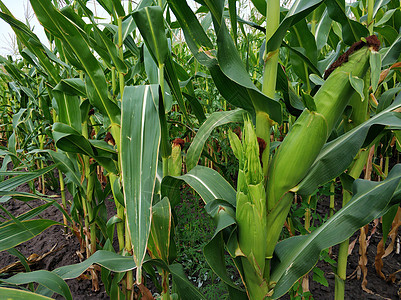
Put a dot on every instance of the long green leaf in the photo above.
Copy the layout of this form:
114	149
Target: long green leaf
209	184
140	140
13	182
15	234
232	66
352	30
185	289
338	154
104	41
21	295
31	41
110	260
216	119
150	23
159	240
68	109
48	279
72	86
296	256
392	53
299	10
74	40
237	88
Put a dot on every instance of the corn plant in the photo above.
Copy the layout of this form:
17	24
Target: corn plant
111	92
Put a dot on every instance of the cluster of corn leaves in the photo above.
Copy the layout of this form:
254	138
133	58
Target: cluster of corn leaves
70	79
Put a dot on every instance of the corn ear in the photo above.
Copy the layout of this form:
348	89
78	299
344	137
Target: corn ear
295	155
303	143
335	93
308	135
175	159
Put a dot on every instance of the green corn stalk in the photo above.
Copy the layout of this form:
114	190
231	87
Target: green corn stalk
251	210
305	140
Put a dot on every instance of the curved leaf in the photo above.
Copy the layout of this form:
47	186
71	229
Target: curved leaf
299	10
338	154
48	279
31	41
185	289
71	86
74	41
104	41
110	260
70	140
296	256
392	53
68	109
13	182
21	295
231	65
150	23
224	216
17	233
215	119
209	184
159	240
238	90
352	31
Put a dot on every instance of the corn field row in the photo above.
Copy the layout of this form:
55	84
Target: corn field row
252	114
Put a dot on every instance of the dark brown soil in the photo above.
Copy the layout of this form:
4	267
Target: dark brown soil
64	253
380	289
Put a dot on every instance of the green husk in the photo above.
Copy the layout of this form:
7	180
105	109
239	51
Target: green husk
251	210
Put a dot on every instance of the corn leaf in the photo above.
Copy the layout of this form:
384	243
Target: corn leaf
77	45
299	10
391	54
104	41
17	233
232	66
352	30
208	183
303	41
150	23
322	30
224	216
110	260
71	86
159	240
238	90
140	140
184	288
338	154
68	166
68	110
216	119
21	295
48	279
296	256
13	182
31	41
